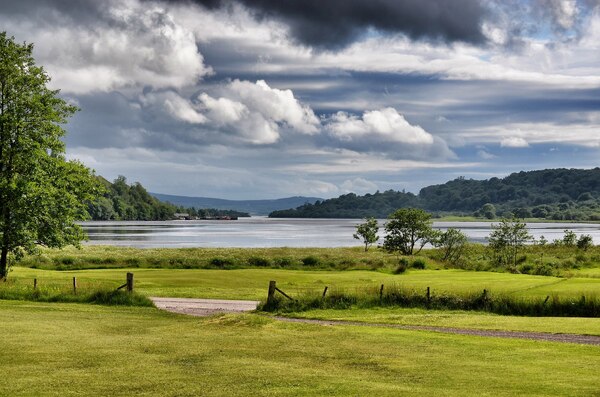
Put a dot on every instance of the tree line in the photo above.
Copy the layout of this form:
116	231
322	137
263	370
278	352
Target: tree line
556	194
132	202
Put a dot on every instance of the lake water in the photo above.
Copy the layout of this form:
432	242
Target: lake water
266	232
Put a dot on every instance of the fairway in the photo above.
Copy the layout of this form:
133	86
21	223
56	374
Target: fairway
252	283
74	349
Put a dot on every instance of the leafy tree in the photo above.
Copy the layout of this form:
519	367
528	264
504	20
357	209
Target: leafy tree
489	211
367	232
506	239
407	228
453	244
41	193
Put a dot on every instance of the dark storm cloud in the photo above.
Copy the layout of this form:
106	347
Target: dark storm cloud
333	24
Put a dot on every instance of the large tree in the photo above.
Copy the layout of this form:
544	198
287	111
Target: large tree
406	229
41	193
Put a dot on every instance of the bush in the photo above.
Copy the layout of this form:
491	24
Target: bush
221	263
418	264
283	262
311	261
259	261
585	242
402	266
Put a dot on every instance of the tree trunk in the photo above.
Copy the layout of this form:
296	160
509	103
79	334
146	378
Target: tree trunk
4	263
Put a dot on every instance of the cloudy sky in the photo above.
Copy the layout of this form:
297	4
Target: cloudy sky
247	99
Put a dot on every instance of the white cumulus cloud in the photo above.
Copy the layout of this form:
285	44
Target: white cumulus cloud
385	124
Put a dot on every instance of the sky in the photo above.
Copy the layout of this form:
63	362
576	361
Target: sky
255	99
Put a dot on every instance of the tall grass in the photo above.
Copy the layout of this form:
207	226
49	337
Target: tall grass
584	306
58	293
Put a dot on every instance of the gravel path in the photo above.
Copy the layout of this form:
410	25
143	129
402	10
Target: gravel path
207	307
203	307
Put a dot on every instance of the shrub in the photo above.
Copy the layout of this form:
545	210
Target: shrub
585	242
418	264
66	260
221	262
311	261
283	262
259	261
402	266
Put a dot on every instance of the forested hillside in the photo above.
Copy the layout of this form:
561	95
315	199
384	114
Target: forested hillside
557	194
352	206
122	201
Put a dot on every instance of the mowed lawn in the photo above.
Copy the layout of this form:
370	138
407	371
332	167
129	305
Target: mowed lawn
54	349
253	283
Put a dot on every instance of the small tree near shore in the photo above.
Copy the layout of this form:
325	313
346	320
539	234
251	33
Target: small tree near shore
452	243
506	240
406	229
367	232
41	193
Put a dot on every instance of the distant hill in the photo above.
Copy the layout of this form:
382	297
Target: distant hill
254	207
557	194
131	202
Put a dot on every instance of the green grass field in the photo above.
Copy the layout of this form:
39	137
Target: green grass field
75	349
253	283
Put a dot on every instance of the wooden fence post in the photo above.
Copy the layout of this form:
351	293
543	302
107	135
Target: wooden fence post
35	283
129	282
271	293
74	285
428	295
324	293
381	292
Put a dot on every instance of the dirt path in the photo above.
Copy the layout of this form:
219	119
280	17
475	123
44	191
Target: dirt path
207	307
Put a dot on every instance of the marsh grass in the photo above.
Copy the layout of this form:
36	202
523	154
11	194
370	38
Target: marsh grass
399	296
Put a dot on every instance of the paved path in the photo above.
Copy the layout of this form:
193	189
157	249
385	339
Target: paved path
207	307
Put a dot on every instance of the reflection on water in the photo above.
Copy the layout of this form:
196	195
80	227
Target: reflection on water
266	232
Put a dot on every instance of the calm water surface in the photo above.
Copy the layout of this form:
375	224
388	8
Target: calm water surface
266	232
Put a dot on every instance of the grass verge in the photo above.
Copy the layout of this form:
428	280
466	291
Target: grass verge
57	293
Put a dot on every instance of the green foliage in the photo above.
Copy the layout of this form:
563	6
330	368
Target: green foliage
569	238
556	194
367	232
406	229
402	266
584	242
377	205
506	240
41	193
488	211
418	264
122	201
452	244
259	261
311	261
